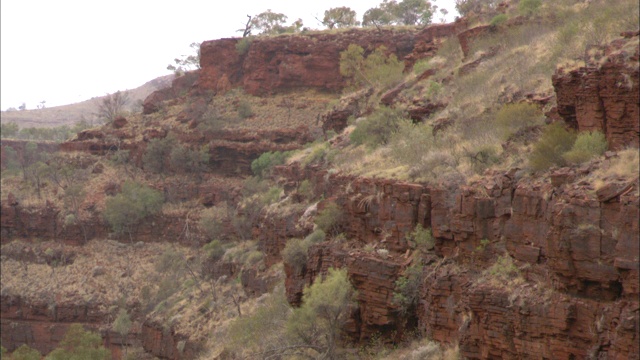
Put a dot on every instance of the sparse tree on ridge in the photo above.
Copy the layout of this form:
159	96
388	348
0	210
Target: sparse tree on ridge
406	12
339	17
186	62
269	23
112	106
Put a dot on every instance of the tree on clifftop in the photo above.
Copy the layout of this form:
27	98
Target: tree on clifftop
112	106
406	12
269	23
339	17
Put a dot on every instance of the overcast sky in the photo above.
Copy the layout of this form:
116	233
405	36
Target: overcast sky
66	51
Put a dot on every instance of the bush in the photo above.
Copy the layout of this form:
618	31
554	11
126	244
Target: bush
263	164
378	128
407	291
212	221
328	220
185	160
305	189
513	117
422	239
244	109
316	237
588	145
498	20
421	66
134	203
529	7
79	344
214	250
295	253
243	45
377	70
548	150
157	154
24	352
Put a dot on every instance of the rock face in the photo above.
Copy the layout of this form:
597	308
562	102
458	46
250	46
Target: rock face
282	63
603	95
578	259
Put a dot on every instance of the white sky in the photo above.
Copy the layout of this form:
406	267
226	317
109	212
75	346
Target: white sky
66	51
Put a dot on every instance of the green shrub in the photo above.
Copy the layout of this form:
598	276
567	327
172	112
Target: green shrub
316	237
185	160
377	69
378	128
212	221
317	154
421	66
421	238
498	20
305	189
295	253
503	269
329	219
587	146
407	289
24	352
529	7
157	154
263	164
243	45
79	344
550	148
214	250
134	203
513	117
244	109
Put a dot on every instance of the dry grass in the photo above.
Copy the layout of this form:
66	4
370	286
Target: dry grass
623	167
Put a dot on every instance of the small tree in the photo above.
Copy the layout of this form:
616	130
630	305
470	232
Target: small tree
269	23
112	106
329	219
132	205
339	17
79	344
414	12
122	325
157	154
377	17
324	311
24	352
186	62
548	150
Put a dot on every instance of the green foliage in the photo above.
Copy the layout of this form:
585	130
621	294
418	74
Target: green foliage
24	352
529	7
9	130
185	160
10	161
263	164
212	221
316	237
407	291
305	189
406	12
295	253
587	146
3	351
187	62
214	250
502	270
244	109
122	324
324	311
157	154
318	153
548	150
378	69
262	332
269	23
422	239
112	106
421	66
57	134
243	45
513	117
379	127
339	17
329	219
498	20
466	7
132	205
79	344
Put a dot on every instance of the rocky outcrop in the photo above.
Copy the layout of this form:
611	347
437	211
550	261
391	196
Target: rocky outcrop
282	63
578	263
604	95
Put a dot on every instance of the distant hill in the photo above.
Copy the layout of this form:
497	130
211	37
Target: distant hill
74	113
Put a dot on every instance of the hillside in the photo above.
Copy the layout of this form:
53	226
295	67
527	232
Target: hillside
74	113
465	190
